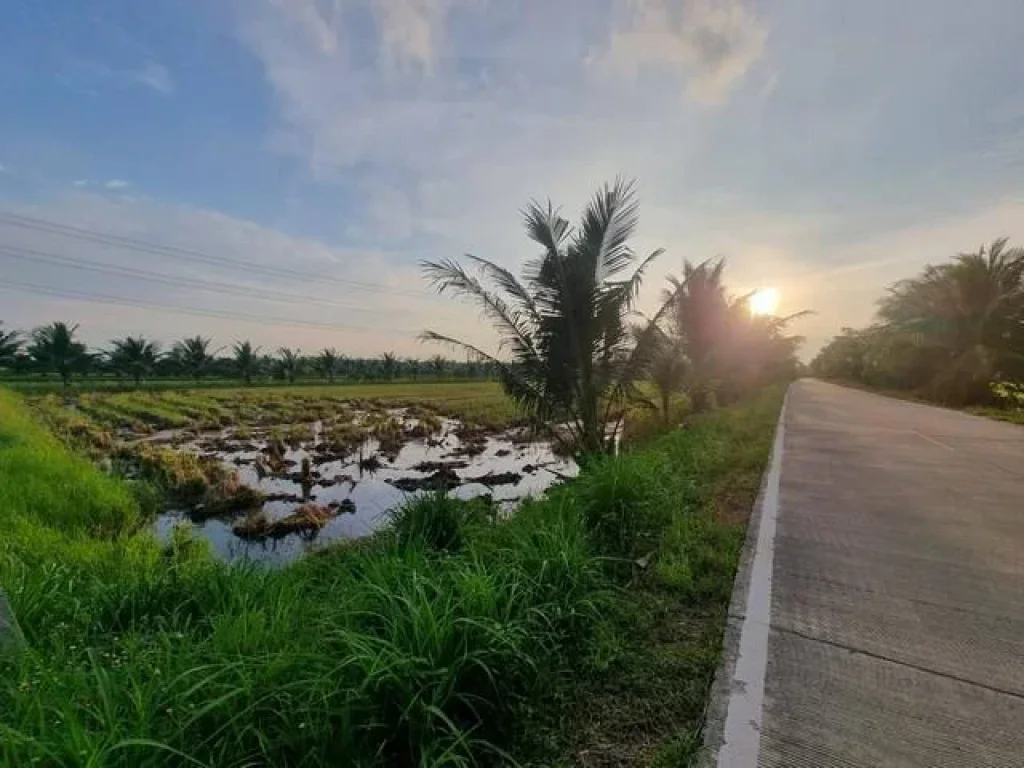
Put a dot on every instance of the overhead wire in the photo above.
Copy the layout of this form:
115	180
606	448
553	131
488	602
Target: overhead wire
145	304
36	256
140	245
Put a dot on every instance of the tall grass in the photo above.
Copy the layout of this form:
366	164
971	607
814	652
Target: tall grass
432	644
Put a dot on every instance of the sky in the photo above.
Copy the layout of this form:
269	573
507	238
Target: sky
274	170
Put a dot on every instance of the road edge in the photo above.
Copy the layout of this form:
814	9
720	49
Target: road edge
722	689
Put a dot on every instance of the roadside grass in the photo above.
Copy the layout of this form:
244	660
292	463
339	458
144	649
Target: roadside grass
455	638
638	696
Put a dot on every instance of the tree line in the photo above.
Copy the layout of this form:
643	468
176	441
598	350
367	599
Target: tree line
56	349
574	351
953	333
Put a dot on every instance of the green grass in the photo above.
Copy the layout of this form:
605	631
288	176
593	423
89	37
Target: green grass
52	384
481	403
452	639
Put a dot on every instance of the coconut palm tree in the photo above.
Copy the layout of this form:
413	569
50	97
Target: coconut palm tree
699	319
134	356
326	363
246	359
193	356
969	314
289	362
564	325
53	347
668	369
438	365
413	366
10	345
388	365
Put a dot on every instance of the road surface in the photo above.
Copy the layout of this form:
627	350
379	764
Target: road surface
883	607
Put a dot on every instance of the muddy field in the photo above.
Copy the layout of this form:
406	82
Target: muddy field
269	478
316	489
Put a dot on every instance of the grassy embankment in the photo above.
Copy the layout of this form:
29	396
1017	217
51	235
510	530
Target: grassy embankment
450	640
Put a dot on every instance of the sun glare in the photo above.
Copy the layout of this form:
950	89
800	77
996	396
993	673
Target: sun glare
764	301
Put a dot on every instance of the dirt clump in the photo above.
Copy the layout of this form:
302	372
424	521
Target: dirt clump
492	479
307	519
440	480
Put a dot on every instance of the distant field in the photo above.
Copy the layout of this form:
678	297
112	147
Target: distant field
44	384
93	418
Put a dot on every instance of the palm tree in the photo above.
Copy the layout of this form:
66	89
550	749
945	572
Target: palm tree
246	359
668	370
438	365
388	365
192	355
968	317
53	347
134	356
10	345
327	363
700	312
565	324
413	366
289	361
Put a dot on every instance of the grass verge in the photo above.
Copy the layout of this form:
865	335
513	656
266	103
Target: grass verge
452	639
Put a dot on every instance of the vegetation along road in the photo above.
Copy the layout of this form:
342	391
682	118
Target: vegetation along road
893	618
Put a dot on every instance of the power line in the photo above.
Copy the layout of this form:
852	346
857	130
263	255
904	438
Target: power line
135	244
120	300
33	255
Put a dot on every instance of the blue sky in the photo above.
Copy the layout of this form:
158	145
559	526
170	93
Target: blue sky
824	148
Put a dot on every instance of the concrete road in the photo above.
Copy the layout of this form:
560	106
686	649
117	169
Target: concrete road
891	631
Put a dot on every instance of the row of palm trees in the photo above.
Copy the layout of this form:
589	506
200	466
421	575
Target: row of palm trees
572	348
57	349
954	332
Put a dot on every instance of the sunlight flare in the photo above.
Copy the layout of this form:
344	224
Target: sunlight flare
764	301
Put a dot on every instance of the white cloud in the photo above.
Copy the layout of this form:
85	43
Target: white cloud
115	184
80	182
411	31
711	42
155	76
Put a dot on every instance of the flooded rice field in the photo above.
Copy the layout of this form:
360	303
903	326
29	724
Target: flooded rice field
299	487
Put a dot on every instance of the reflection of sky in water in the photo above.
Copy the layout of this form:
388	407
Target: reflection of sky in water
372	494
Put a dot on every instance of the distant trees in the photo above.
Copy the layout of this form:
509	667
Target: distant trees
388	365
192	356
54	348
246	359
326	363
133	356
954	332
10	346
289	362
437	365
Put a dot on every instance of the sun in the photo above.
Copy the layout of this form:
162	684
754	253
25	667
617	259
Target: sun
764	301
